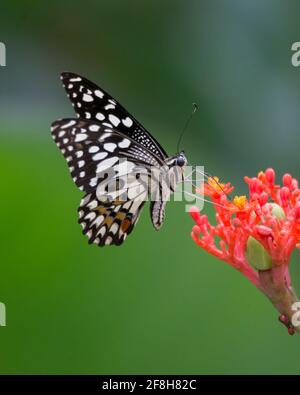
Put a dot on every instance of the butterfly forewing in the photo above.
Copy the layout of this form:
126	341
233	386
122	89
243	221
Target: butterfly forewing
92	103
92	149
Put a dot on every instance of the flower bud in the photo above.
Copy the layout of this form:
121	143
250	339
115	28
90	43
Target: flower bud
277	211
257	256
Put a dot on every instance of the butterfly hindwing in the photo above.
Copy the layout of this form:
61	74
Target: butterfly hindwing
92	103
108	224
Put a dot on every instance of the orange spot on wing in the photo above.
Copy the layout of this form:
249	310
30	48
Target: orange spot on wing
125	224
121	216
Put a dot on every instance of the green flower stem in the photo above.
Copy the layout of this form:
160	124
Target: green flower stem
282	296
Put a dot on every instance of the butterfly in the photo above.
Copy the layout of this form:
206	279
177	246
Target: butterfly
115	161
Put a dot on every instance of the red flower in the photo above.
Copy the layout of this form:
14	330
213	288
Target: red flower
256	235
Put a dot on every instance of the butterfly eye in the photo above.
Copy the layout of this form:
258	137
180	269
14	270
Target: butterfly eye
180	161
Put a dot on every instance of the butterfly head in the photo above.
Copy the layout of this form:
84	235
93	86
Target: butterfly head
177	160
181	160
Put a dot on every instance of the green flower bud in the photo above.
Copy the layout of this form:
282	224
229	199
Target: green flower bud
257	256
277	211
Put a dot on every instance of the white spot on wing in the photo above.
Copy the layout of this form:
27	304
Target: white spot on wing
93	182
100	116
104	136
110	147
71	123
99	93
124	143
127	122
106	164
80	137
107	124
85	200
91	216
108	240
93	149
114	120
102	231
93	204
87	98
100	155
127	205
110	107
114	228
98	221
94	128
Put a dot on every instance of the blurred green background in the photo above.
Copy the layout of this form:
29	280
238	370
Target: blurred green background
158	304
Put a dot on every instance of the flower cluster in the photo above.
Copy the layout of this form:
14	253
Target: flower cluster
256	234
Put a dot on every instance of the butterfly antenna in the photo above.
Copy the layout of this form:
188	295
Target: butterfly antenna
218	183
202	199
194	110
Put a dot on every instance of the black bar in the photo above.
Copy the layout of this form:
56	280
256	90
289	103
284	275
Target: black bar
95	384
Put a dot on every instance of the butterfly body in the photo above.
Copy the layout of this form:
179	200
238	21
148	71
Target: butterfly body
115	161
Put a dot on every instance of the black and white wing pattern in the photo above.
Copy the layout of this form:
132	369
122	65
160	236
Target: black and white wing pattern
110	157
94	104
98	159
106	224
92	149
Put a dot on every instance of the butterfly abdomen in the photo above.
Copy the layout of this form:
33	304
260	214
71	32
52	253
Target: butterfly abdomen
157	211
